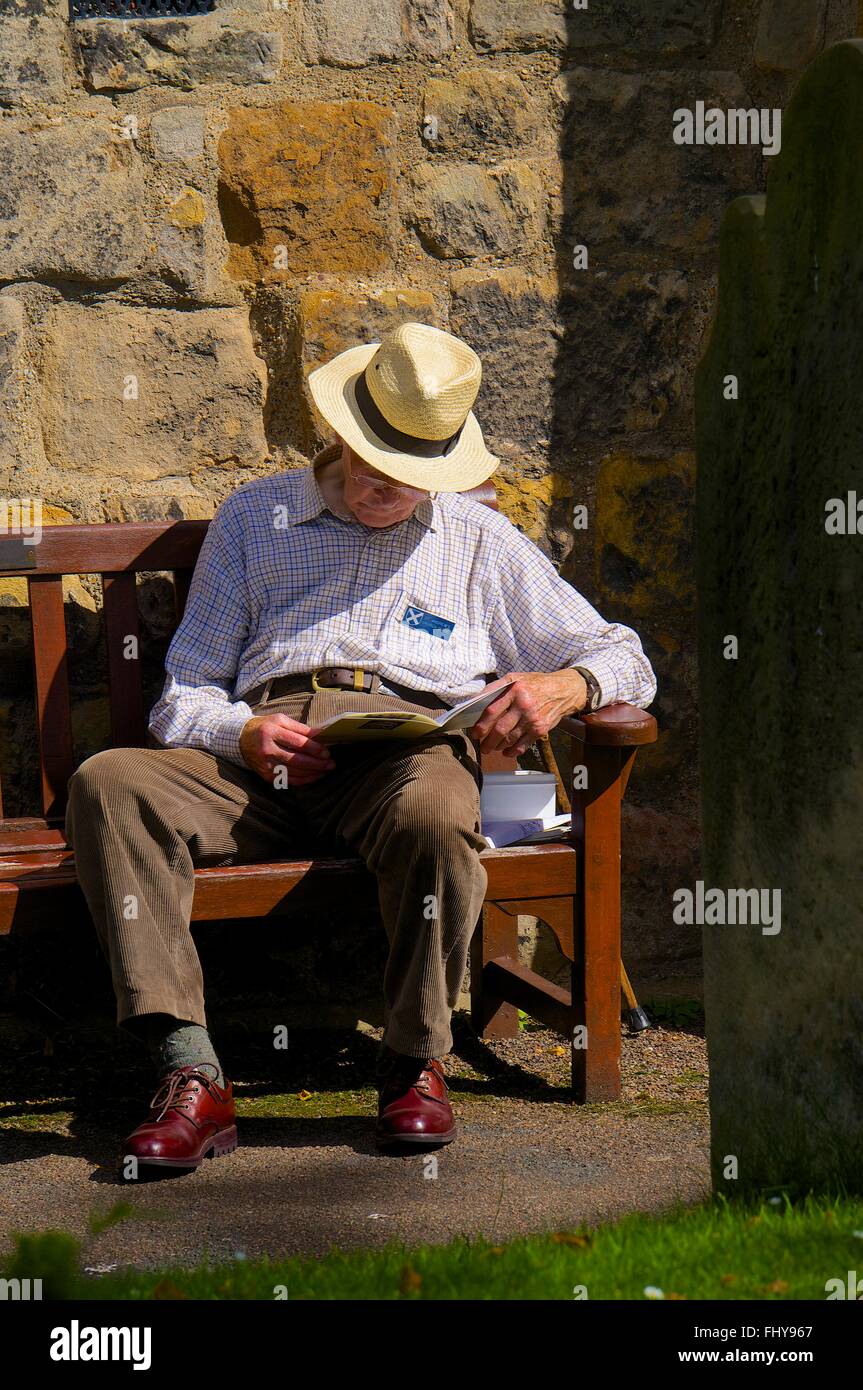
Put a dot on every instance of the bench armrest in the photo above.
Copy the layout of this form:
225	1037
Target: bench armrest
618	726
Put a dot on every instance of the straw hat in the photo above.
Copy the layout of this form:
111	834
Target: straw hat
404	407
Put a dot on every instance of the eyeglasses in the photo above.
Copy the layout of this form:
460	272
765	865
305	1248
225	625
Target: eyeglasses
380	485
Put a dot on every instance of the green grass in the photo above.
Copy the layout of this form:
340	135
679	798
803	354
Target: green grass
306	1104
714	1251
37	1120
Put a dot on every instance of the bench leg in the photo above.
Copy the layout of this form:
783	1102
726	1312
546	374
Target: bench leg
596	970
496	935
595	1041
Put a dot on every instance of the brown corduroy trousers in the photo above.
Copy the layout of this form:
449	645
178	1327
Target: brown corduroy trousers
140	820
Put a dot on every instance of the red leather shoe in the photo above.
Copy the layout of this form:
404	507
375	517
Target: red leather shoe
413	1103
191	1118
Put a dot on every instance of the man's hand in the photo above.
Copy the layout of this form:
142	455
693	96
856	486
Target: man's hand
528	709
271	741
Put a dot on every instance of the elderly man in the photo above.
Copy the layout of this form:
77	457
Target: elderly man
364	580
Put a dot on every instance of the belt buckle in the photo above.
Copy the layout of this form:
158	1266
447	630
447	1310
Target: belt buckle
359	674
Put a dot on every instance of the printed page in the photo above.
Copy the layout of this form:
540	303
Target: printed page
355	725
374	724
465	715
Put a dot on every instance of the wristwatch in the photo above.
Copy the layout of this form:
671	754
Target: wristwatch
594	693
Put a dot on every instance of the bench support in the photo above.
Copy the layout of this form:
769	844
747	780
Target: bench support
587	924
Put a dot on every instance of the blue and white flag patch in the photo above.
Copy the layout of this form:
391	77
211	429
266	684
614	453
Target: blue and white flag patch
421	621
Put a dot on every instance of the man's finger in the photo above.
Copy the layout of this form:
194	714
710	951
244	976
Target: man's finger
301	732
508	736
489	716
296	741
505	729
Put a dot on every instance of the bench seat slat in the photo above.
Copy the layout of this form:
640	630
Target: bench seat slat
29	841
263	890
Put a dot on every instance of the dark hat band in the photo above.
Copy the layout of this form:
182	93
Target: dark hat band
397	439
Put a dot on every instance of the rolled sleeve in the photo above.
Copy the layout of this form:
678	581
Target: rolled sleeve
544	624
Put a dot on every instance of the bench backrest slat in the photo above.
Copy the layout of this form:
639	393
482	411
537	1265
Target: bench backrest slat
51	669
122	634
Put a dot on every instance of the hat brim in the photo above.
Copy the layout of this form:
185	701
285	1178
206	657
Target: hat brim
466	465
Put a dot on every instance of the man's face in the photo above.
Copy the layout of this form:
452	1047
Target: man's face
374	499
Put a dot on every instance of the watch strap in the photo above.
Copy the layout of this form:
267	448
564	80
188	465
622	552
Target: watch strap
594	693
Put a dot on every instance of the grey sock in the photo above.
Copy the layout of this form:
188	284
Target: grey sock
174	1044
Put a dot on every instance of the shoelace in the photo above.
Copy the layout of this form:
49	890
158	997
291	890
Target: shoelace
173	1094
405	1075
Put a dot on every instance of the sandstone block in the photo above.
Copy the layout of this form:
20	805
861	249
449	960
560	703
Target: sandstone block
643	534
524	25
348	35
645	189
33	59
637	27
528	501
844	21
334	319
26	9
790	33
508	317
307	185
661	850
477	110
544	382
177	132
639	377
73	202
146	393
467	210
12	384
123	55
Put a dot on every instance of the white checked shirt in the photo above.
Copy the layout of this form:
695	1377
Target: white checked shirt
436	602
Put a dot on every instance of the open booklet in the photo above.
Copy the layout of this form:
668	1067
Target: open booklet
353	726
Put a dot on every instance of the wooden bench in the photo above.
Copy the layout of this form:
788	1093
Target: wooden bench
574	887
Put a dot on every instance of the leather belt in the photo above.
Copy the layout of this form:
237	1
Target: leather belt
353	678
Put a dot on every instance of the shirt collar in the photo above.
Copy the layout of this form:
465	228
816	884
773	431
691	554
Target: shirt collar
312	502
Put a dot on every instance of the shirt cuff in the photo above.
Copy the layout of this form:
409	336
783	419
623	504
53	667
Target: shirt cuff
225	741
217	733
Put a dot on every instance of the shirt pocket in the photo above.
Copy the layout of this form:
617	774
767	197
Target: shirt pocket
434	639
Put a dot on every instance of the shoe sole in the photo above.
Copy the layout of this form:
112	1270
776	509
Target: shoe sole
221	1144
385	1140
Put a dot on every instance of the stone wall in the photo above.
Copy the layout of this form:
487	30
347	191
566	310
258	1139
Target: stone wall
197	211
780	570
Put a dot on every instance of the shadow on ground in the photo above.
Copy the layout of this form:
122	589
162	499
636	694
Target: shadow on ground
307	1175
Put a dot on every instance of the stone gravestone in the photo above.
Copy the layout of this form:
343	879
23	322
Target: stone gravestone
780	571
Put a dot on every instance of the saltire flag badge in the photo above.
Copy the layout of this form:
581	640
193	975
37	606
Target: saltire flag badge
421	621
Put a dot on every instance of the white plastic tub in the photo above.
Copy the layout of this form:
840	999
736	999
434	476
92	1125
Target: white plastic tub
520	795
